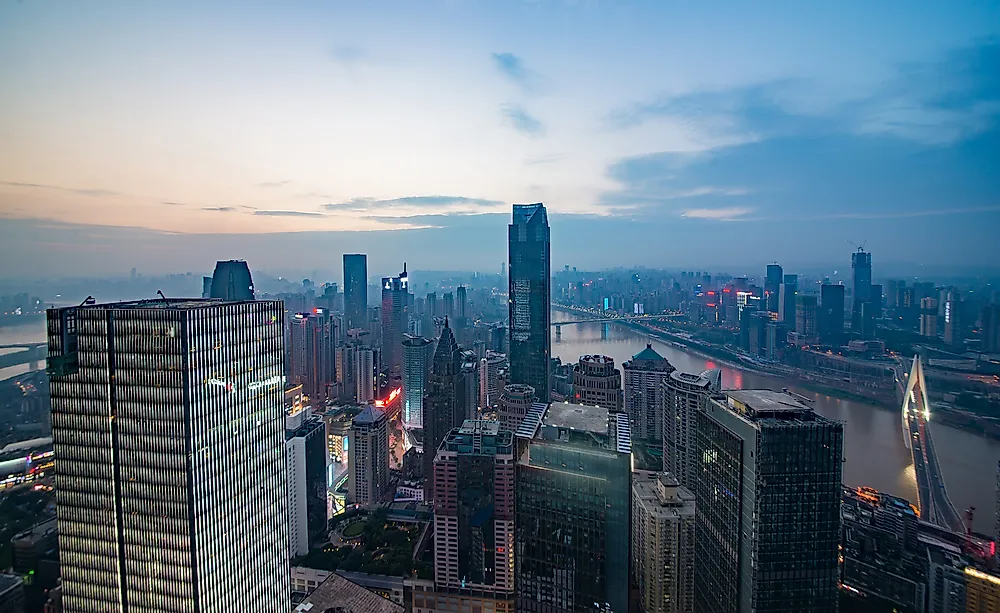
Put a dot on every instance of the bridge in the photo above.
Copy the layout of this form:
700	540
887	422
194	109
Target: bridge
932	498
31	353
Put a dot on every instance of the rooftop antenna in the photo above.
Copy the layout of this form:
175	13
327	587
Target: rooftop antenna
160	294
87	300
860	247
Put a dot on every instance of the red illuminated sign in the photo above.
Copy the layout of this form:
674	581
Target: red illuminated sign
388	400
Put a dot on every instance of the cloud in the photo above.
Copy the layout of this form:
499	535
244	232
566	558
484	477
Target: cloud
521	120
539	160
273	183
726	214
513	68
347	54
219	209
73	190
415	206
172	203
288	213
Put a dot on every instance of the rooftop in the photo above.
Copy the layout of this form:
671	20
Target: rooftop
649	355
369	415
343	595
581	417
173	304
761	402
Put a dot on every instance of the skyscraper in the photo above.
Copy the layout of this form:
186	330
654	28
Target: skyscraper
312	353
395	316
572	514
530	345
355	290
788	292
231	281
368	457
831	318
645	375
768	513
805	315
861	268
662	543
474	513
684	396
597	382
953	330
441	405
417	358
307	460
154	404
515	402
772	287
928	317
491	368
990	320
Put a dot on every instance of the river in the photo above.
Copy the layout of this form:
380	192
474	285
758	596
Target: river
873	444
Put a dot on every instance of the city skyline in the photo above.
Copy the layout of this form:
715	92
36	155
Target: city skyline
180	136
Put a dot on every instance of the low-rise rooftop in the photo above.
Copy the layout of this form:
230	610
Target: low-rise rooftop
337	593
580	417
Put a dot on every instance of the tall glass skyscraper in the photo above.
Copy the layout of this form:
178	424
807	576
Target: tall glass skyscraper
168	425
395	317
231	281
530	344
772	286
355	290
861	268
768	512
572	514
418	352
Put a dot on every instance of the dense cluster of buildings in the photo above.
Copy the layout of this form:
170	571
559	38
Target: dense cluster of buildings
202	444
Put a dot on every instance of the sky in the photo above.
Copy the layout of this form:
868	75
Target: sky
165	136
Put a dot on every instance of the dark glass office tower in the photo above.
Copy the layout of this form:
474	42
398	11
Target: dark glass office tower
573	490
831	320
231	281
861	267
788	291
530	344
772	285
395	318
168	426
767	521
355	290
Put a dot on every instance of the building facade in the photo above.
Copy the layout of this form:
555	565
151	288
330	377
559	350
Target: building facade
772	287
474	512
982	591
168	422
645	375
355	290
368	457
530	344
418	354
573	501
492	370
861	270
831	318
395	317
307	458
312	353
514	403
442	407
662	543
597	382
231	281
684	396
768	514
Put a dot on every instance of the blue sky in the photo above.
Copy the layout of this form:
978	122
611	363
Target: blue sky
165	136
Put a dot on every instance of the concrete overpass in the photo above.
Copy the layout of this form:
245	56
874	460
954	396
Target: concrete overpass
30	353
933	502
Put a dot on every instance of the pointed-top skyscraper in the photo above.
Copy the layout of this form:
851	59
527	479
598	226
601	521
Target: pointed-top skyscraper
530	343
441	407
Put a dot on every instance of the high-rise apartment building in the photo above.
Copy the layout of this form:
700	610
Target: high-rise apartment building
788	293
928	317
515	401
312	353
645	375
772	287
474	513
684	396
491	370
442	410
368	457
831	317
861	269
395	316
161	411
530	345
662	543
768	514
418	354
307	459
953	330
597	382
355	290
231	281
572	513
806	315
982	591
448	305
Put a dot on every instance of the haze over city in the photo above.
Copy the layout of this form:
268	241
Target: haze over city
164	136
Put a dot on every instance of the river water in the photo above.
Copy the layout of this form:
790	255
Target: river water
873	443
